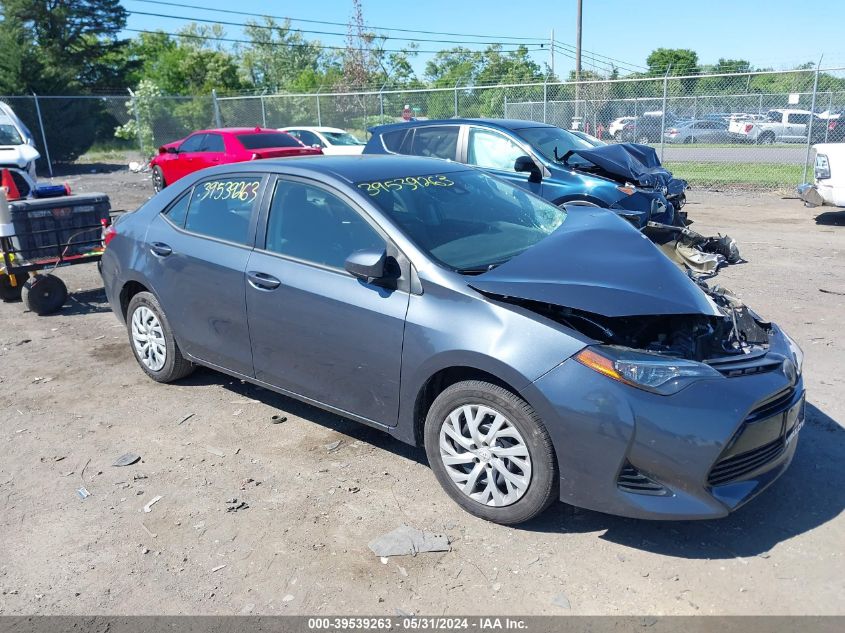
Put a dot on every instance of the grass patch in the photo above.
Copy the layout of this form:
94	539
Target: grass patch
757	175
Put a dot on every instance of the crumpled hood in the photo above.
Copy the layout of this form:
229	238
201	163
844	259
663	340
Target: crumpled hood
597	262
20	155
632	162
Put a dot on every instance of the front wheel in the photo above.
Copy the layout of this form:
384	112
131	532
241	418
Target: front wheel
152	340
491	452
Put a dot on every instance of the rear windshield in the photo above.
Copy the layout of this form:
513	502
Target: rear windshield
266	140
9	135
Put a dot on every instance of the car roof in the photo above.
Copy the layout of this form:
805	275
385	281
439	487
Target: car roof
352	169
312	128
235	130
504	124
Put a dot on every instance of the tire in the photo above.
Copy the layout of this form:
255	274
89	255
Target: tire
146	322
158	179
643	140
8	292
44	294
522	430
766	139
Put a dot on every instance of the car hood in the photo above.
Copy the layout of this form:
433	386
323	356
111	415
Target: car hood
630	162
19	155
599	263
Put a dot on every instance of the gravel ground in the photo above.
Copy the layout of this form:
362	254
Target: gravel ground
73	400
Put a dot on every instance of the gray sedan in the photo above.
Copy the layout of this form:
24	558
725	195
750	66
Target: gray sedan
700	131
536	352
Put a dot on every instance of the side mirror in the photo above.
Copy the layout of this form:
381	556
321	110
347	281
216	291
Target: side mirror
368	265
526	164
171	150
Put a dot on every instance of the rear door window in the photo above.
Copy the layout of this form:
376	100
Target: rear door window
222	207
436	141
213	143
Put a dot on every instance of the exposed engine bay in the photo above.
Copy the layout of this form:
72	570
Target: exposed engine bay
737	333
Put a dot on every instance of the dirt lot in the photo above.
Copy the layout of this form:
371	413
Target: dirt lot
73	400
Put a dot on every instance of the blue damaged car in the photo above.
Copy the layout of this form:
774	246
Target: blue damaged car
561	166
516	340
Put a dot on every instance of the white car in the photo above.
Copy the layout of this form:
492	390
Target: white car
17	147
618	124
828	187
332	140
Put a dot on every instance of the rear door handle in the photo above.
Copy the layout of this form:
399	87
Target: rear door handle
263	281
160	249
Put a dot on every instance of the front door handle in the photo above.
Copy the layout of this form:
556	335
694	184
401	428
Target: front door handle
160	249
263	281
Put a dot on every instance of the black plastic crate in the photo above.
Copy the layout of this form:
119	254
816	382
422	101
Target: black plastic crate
58	227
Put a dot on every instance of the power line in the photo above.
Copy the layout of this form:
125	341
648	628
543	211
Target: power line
285	44
271	28
325	22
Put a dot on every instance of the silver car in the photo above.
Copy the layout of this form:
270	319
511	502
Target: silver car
698	131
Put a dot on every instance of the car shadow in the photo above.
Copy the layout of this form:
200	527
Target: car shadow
78	169
805	497
291	406
831	218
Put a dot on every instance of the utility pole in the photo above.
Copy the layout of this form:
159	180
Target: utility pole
578	43
552	52
577	121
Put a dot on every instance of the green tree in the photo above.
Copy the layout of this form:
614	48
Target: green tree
58	47
279	59
679	61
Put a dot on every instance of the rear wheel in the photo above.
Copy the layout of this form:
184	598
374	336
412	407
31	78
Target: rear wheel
8	292
44	294
158	179
491	453
152	340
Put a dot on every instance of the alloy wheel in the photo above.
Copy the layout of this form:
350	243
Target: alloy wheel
485	455
148	338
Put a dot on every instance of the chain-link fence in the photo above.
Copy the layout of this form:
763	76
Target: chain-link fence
752	130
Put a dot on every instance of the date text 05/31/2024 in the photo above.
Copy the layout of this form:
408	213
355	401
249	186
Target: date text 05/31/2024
416	623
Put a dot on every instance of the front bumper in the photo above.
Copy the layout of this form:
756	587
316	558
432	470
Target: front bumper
698	454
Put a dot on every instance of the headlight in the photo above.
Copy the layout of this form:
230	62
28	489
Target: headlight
651	372
797	352
822	167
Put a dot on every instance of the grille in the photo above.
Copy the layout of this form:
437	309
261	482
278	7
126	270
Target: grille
727	470
632	480
731	367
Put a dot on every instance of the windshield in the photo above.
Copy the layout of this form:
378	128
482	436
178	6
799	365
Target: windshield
341	138
466	220
9	135
266	140
546	139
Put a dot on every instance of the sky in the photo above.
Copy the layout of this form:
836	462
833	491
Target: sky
775	34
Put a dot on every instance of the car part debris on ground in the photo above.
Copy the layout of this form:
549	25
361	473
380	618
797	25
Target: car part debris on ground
152	502
408	541
127	459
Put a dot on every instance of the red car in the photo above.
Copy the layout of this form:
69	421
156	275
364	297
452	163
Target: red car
207	148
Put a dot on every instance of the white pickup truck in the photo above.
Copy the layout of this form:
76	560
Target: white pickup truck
779	126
